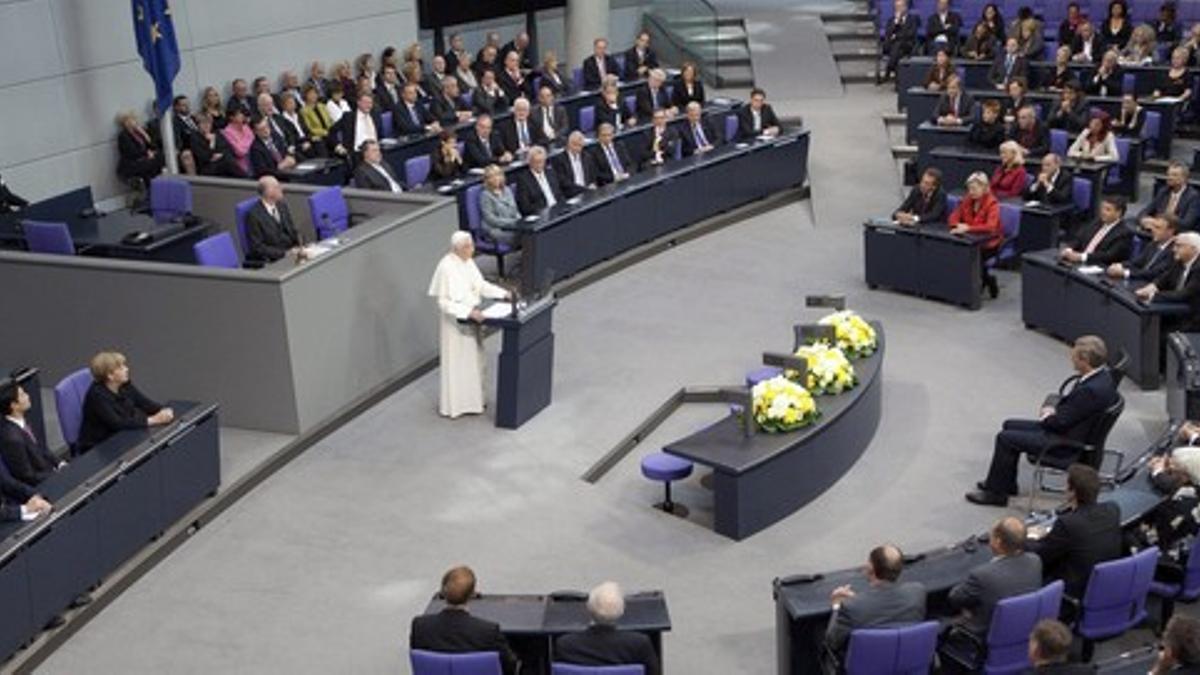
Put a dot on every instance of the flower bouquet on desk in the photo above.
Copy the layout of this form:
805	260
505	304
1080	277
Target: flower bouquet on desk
781	405
852	333
829	371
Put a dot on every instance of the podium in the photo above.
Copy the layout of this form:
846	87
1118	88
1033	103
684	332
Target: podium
526	372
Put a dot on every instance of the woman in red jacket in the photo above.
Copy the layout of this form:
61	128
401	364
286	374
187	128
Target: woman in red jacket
979	214
1009	178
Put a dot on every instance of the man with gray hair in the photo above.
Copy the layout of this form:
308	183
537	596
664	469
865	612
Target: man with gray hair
654	96
1071	416
602	644
538	188
575	168
459	288
1179	284
518	132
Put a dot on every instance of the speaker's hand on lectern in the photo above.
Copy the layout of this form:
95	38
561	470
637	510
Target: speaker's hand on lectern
476	316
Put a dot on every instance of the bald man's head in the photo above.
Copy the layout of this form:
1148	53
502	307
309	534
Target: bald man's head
1008	536
886	562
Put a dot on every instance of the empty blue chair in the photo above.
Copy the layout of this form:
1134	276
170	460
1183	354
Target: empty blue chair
239	213
631	104
217	251
329	213
1081	194
577	78
1151	129
731	128
69	395
45	237
666	469
416	170
1006	650
1116	173
907	650
1115	599
385	120
1010	222
1128	83
470	663
1187	590
569	669
1060	142
587	119
483	243
620	59
170	198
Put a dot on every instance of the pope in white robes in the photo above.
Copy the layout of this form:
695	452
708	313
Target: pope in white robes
458	287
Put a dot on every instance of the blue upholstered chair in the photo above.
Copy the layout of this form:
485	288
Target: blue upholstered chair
385	120
587	119
1116	174
470	663
1187	590
1060	142
731	128
69	395
217	251
329	212
666	469
907	650
569	669
170	198
45	237
1151	130
631	104
1081	195
239	213
416	170
1115	599
577	78
1007	648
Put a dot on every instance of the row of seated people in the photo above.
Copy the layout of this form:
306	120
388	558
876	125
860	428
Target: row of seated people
455	631
1024	37
1162	266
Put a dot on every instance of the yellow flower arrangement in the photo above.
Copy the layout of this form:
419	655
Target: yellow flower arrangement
853	334
781	405
829	371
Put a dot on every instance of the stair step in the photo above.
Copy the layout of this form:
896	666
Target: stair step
858	78
842	17
841	57
904	151
895	118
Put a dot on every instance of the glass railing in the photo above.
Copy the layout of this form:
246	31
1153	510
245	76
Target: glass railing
686	30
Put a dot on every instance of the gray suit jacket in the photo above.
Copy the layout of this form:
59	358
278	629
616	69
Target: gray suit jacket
992	582
885	604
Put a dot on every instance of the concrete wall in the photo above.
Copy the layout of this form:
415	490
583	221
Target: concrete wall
68	66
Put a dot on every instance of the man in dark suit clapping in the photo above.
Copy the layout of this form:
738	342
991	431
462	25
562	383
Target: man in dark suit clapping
453	630
1052	185
1106	241
602	644
1180	283
1071	417
1176	197
661	140
1156	256
926	203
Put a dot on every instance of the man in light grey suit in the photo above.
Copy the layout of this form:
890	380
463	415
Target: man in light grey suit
1011	572
884	602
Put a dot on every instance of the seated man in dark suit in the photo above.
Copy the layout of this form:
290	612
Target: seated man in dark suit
1029	132
899	37
9	201
1009	65
447	107
482	146
1050	650
1156	256
661	140
926	202
955	106
1071	417
454	630
113	404
372	173
550	118
19	501
1052	185
758	118
942	31
640	59
612	162
1176	197
387	92
1089	533
269	228
268	152
518	133
602	644
598	65
1180	652
698	135
1105	242
410	117
575	168
1179	284
538	188
653	96
883	602
1011	572
25	455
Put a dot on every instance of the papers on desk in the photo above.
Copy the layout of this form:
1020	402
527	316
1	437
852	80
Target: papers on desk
1090	269
739	146
764	137
445	188
532	219
1033	202
308	165
575	200
477	171
320	248
721	100
386	143
1168	99
497	310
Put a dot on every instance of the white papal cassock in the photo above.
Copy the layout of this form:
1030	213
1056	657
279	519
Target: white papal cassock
459	287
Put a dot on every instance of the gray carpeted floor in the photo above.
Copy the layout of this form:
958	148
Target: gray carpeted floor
321	568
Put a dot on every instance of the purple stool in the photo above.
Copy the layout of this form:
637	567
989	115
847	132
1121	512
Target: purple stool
762	375
664	468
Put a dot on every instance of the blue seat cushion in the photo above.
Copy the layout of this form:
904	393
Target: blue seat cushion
663	467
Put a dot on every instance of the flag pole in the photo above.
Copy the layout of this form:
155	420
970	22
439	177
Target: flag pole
166	127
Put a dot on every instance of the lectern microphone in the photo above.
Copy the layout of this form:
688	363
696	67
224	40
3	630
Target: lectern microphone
837	302
740	397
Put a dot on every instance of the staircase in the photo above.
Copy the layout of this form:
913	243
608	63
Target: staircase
718	45
850	27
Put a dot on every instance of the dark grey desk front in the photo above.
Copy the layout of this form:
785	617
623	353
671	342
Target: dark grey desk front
802	607
762	479
615	218
1063	302
926	261
108	503
532	622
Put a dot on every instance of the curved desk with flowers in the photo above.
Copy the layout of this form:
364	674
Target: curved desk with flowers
764	477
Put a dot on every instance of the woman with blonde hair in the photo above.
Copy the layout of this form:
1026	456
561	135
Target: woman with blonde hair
1008	180
979	214
497	207
211	104
113	404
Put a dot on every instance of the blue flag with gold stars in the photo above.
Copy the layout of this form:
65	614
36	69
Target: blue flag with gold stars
155	31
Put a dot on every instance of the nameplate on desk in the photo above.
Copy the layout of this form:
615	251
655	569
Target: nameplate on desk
575	200
532	219
740	146
837	302
817	333
445	188
308	166
477	171
386	143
